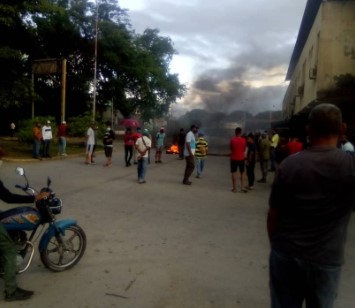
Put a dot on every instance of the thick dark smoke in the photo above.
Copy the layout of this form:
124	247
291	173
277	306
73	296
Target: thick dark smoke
228	89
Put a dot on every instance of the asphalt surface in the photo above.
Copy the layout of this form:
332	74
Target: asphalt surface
160	244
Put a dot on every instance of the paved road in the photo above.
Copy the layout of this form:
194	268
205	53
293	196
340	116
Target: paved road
161	244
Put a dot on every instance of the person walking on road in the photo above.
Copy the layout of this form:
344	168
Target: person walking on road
143	144
311	201
181	143
159	143
128	146
201	153
189	154
237	159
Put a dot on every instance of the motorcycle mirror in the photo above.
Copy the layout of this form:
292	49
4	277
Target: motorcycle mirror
49	181
20	171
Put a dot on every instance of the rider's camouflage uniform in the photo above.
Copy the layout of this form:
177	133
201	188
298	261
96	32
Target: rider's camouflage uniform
7	247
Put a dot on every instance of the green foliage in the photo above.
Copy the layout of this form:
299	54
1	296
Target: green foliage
132	69
345	81
78	126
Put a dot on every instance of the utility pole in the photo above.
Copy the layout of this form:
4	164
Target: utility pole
95	63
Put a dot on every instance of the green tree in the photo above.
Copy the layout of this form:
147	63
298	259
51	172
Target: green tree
132	71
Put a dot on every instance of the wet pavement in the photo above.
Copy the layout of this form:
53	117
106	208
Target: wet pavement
159	244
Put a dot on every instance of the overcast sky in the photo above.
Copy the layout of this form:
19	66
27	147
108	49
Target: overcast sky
232	54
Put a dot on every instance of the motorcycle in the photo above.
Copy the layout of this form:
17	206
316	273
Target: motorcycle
63	243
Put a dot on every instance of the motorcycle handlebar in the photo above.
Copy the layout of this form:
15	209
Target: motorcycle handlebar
20	187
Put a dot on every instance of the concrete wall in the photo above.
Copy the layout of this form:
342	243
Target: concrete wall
329	51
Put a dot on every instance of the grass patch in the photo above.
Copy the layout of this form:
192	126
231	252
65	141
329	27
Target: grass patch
12	148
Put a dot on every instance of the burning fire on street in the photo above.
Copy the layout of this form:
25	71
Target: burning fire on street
174	149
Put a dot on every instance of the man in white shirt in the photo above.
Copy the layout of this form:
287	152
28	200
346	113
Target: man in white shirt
143	144
90	143
47	138
189	153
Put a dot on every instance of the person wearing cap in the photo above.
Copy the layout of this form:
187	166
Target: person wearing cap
159	143
189	153
47	138
201	153
62	138
142	145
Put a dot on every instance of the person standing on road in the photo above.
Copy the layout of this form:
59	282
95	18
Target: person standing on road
311	201
181	143
136	135
250	160
90	143
143	144
189	153
237	159
264	156
8	249
37	140
108	144
62	138
47	138
201	153
159	144
128	146
274	141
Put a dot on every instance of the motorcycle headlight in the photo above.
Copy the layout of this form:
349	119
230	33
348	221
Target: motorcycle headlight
55	204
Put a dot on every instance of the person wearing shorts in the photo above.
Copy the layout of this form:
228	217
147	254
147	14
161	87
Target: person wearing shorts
90	143
237	158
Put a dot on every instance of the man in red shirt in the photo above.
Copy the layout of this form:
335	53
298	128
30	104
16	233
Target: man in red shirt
62	138
237	146
294	146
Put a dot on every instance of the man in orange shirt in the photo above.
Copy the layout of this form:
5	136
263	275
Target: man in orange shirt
237	158
37	139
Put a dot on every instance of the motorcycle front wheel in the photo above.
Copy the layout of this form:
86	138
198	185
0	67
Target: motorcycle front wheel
64	251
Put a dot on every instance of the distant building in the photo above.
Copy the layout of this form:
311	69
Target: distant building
324	51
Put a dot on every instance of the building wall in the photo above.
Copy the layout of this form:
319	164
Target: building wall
329	51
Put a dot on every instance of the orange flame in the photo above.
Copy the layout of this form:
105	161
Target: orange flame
174	149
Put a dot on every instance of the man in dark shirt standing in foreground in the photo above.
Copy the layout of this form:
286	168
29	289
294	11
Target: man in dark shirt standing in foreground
310	206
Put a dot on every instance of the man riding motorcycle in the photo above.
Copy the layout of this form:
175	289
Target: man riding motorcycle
8	249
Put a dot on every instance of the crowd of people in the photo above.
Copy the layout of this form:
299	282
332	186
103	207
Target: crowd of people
42	139
310	203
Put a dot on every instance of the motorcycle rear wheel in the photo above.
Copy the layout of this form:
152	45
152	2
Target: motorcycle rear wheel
59	257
